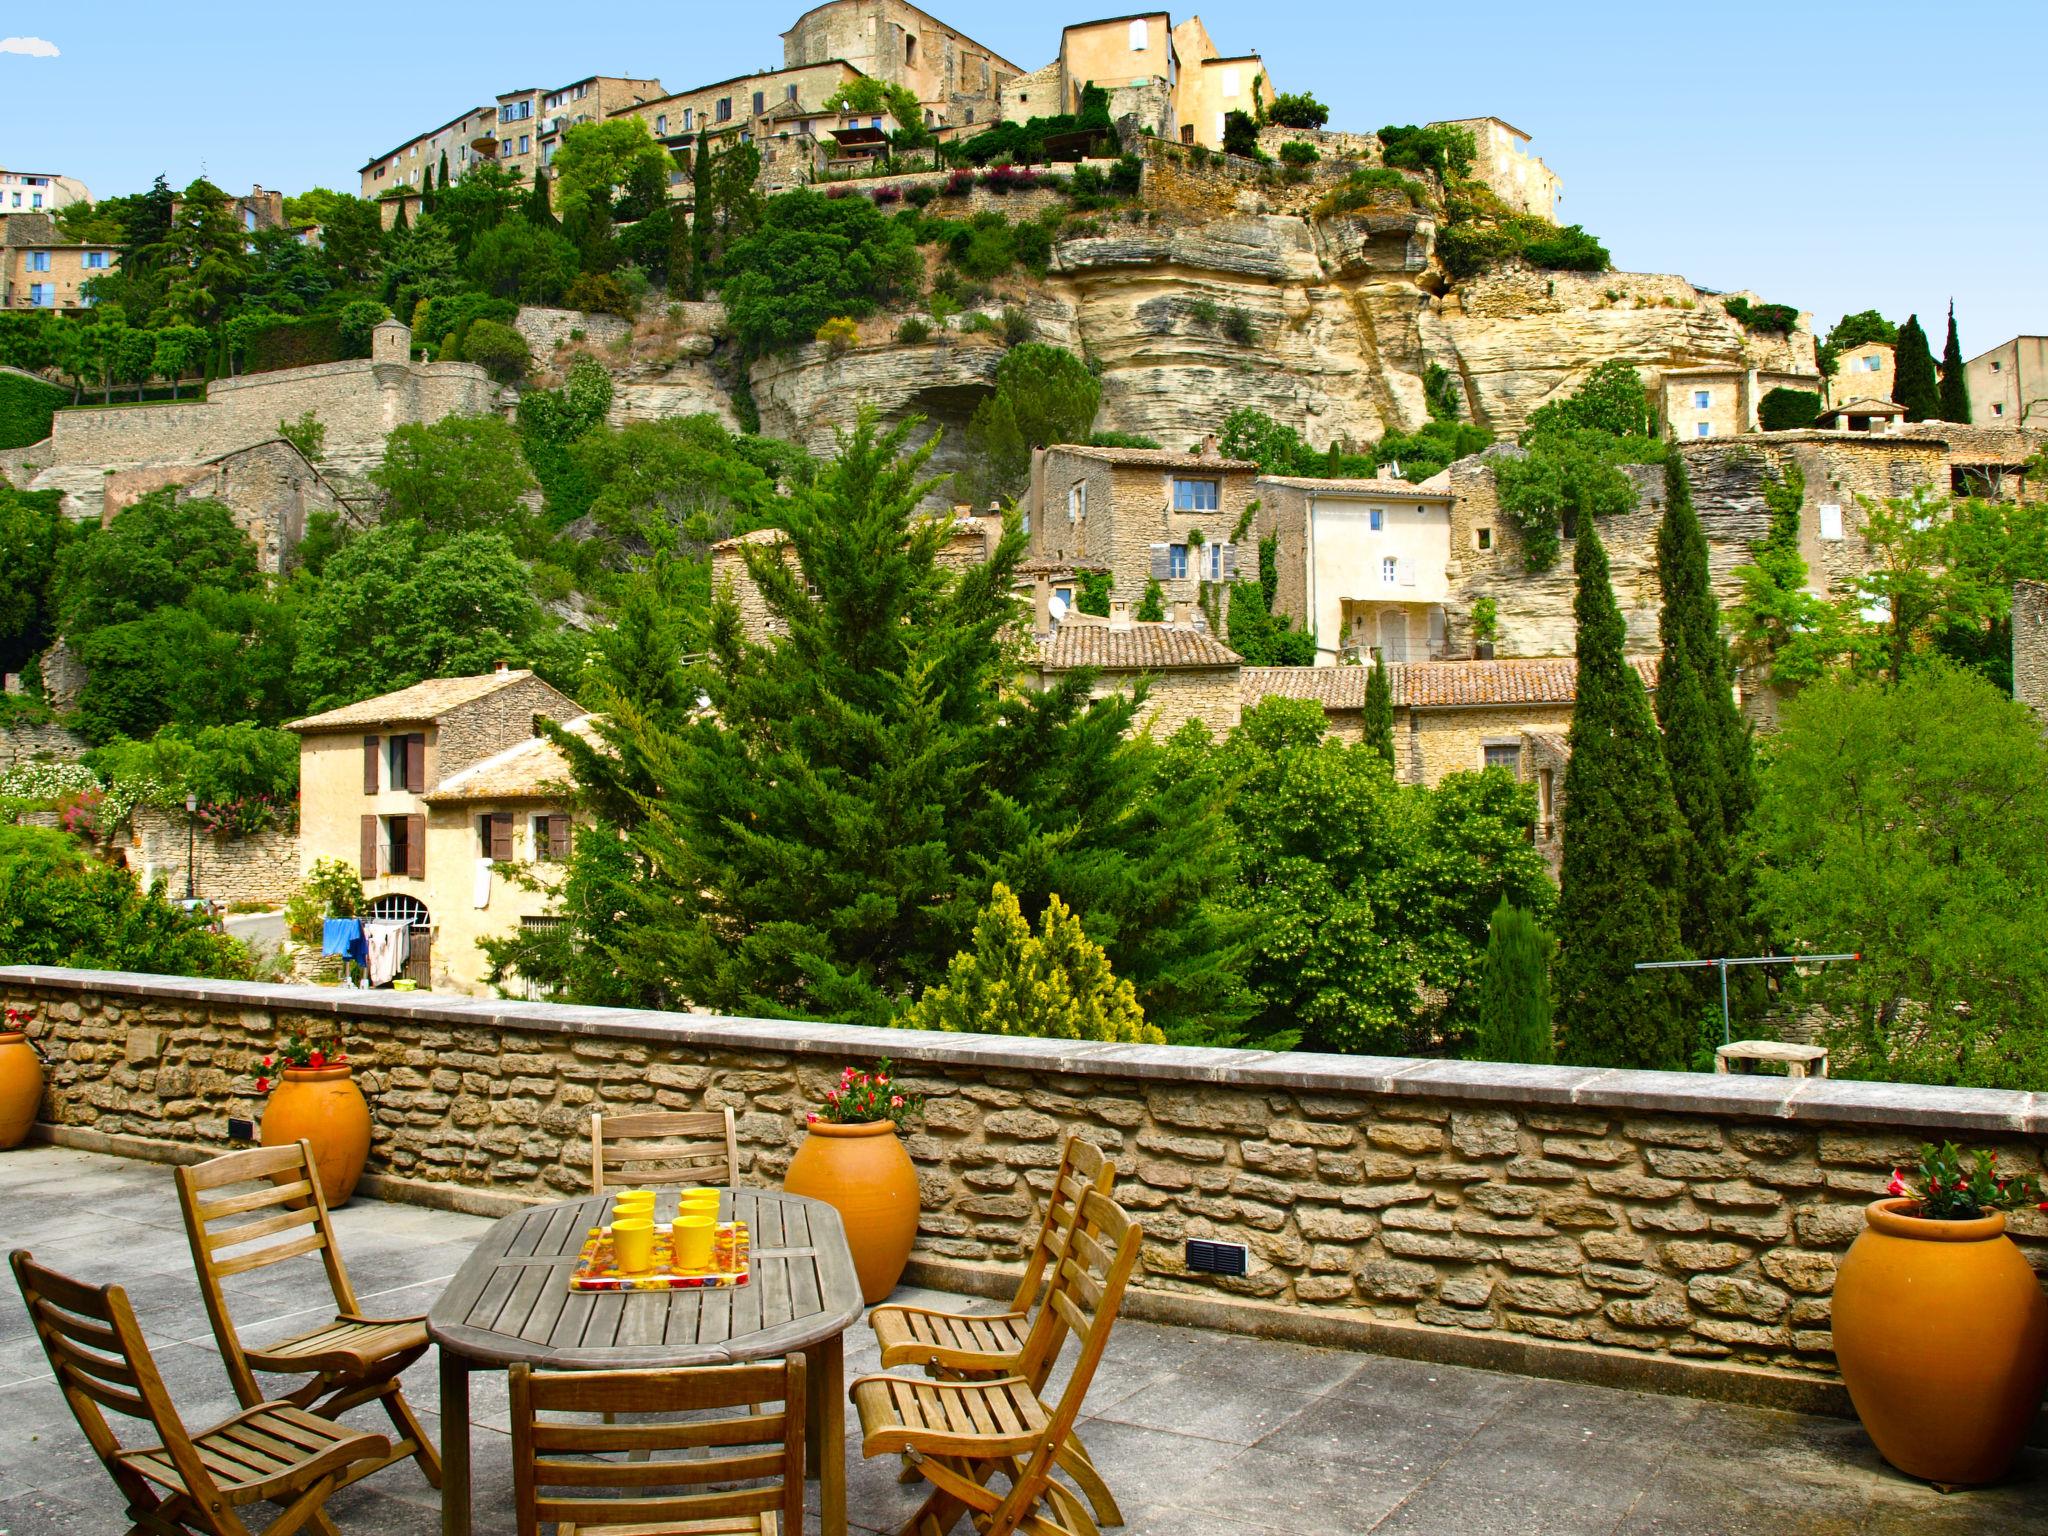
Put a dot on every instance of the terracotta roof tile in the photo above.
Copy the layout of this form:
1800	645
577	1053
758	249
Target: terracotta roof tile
1151	458
1431	684
534	769
1340	687
1141	648
1437	488
422	703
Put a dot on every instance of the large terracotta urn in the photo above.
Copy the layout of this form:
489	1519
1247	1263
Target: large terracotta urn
862	1172
21	1087
1941	1330
324	1106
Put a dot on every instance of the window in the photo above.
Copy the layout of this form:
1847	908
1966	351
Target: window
552	102
760	102
909	49
689	119
1230	81
551	838
1830	520
248	218
1141	38
42	295
1389	569
38	261
1875	364
1704	429
1506	755
1195	495
35	199
1998	408
1176	561
1376	520
17	199
525	143
789	93
494	836
661	125
1077	501
96	260
725	109
1996	366
1482	538
1702	398
405	848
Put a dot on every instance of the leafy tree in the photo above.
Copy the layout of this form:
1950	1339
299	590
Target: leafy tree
518	260
1955	387
539	204
1044	395
1014	982
1861	328
1572	470
458	475
1241	136
1379	712
1514	990
1781	630
153	553
550	420
686	476
419	265
1262	637
59	907
1298	109
1623	852
1786	410
179	351
220	764
597	161
212	659
868	94
1444	149
1913	382
1612	400
201	257
33	533
821	837
1905	821
813	258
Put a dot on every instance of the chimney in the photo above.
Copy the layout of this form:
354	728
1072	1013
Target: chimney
1041	605
1119	613
1183	614
1209	447
499	669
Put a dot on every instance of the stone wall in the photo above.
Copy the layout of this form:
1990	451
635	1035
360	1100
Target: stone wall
262	867
544	330
2030	645
24	743
1661	1229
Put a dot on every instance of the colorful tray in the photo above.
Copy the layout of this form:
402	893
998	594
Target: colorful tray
597	1268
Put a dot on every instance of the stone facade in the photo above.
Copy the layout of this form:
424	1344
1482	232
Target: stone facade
958	80
764	107
2030	646
1653	1228
260	868
1116	508
1187	673
1720	400
271	488
49	742
545	331
1503	163
1864	373
41	270
519	132
970	542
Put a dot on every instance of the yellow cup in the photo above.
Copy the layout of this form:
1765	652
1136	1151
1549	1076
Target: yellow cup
697	1202
633	1244
693	1236
633	1202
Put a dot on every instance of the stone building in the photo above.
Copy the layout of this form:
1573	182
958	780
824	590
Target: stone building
1142	513
39	191
780	111
1362	564
366	775
2030	645
271	488
1133	58
39	269
1864	372
956	79
1188	673
1503	163
2009	384
1720	400
1214	84
969	541
520	132
1861	414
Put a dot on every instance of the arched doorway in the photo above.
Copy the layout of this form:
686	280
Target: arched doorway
412	911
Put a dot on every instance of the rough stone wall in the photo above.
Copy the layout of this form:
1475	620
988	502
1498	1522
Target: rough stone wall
1139	515
1173	697
47	742
1651	1217
1333	144
475	731
2030	645
1430	743
271	488
263	867
544	330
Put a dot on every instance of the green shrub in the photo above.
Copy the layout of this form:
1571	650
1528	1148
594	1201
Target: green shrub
1444	149
1785	410
1297	153
308	434
1238	326
1127	175
1018	327
1032	246
451	315
1298	109
838	334
498	349
1371	186
26	406
914	329
294	344
1241	136
1769	319
600	293
1569	249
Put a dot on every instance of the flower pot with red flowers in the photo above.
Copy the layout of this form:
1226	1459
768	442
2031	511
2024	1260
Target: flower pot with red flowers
315	1099
853	1160
1940	1326
21	1079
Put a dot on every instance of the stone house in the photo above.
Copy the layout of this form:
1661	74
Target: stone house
39	191
1861	415
520	131
366	772
1362	564
1214	84
1720	400
1866	372
780	111
969	541
407	165
39	269
1189	674
957	80
1134	59
1141	513
1503	163
2008	384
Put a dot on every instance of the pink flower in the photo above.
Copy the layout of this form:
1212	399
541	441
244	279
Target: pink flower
896	1101
1897	1185
263	1085
810	1119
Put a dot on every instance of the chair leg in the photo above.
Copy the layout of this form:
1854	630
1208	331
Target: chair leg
306	1510
1074	1461
409	1428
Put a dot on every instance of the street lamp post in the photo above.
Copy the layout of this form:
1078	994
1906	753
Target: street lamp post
1722	963
191	839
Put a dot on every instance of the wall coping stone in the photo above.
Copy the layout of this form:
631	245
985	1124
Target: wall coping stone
1951	1112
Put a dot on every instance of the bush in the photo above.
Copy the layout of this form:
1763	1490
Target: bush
1031	244
293	344
1371	186
1241	136
1569	249
1238	326
921	196
1127	175
1787	410
1086	181
1769	319
498	349
1444	149
838	334
814	260
600	293
1018	327
1296	153
451	316
959	184
26	407
914	328
1298	109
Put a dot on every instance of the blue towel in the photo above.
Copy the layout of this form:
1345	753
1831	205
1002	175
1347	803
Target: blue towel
344	936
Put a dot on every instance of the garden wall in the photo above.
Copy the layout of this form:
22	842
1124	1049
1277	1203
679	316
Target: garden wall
1657	1230
263	867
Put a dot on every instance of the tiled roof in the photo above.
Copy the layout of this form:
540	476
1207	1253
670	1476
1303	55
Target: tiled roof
1151	458
1431	684
1865	407
1141	648
534	769
758	536
422	703
1436	488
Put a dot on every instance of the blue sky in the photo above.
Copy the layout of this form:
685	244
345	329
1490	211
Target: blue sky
1834	156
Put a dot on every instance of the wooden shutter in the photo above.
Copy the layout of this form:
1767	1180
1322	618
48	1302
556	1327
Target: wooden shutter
1230	562
501	835
1162	570
416	847
558	837
372	745
416	764
368	866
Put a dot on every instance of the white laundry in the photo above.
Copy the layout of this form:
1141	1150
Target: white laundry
390	947
483	884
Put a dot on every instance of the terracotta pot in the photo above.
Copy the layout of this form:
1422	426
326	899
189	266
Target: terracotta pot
862	1172
21	1087
1941	1330
322	1105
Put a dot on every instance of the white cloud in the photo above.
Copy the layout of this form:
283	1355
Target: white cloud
34	47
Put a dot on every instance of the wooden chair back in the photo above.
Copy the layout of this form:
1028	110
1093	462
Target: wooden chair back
1083	1167
280	1215
663	1147
103	1365
1087	1294
740	1453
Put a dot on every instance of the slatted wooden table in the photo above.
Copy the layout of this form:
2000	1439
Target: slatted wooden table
511	1302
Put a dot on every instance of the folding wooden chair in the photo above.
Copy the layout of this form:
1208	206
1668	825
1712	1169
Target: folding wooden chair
961	1434
274	1451
664	1147
740	1473
965	1346
353	1359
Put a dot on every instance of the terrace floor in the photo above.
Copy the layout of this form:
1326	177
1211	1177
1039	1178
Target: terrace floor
1197	1432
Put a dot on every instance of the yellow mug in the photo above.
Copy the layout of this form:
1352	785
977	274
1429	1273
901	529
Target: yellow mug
633	1244
693	1235
697	1202
634	1202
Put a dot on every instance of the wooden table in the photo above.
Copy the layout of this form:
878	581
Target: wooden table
511	1302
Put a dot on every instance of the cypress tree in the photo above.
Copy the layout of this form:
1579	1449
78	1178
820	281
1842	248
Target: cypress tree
1379	711
1622	851
1913	384
427	191
444	170
1955	389
700	216
1514	990
401	221
537	209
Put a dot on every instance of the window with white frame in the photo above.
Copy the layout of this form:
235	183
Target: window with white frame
1702	398
689	119
1176	561
1196	495
1214	560
1390	569
1141	35
1704	429
661	125
525	143
1077	501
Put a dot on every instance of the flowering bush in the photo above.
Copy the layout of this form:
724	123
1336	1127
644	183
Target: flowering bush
1956	1191
18	1020
300	1050
865	1097
959	184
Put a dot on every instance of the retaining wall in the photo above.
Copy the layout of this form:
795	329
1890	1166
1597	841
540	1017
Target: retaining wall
1658	1230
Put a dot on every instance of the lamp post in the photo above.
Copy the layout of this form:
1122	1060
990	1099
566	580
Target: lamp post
191	839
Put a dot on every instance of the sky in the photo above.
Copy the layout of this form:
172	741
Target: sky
1829	155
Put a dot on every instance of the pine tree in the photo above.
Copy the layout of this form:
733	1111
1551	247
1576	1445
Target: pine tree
1379	710
537	209
1913	383
1514	990
1707	747
1955	388
1622	851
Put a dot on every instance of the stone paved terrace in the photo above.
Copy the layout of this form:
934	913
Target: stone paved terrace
1198	1432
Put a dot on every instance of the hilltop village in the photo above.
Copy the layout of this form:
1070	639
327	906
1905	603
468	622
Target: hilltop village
1325	364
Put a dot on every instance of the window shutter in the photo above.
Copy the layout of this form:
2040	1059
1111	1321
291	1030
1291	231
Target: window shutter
416	764
1407	573
368	867
558	837
416	847
1230	562
501	835
1161	570
371	746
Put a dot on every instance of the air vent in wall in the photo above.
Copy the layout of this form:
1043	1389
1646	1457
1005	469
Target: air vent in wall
1207	1258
